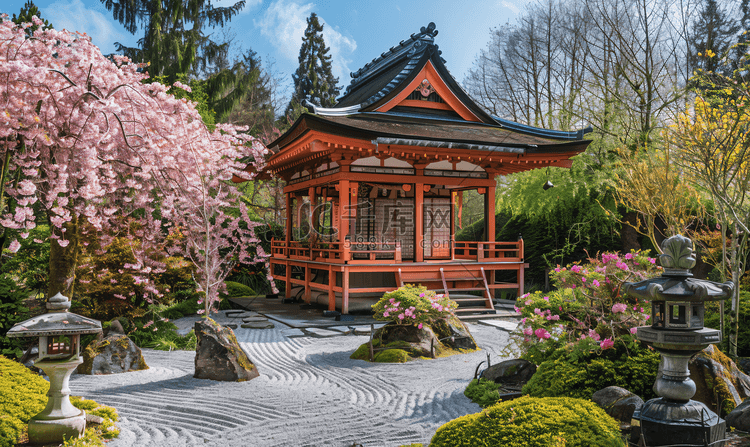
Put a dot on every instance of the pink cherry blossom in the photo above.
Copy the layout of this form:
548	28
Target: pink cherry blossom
607	343
619	308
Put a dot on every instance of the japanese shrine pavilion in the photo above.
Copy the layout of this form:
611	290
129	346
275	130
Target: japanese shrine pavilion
371	185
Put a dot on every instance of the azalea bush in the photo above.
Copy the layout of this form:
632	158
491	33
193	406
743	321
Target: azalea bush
588	311
413	305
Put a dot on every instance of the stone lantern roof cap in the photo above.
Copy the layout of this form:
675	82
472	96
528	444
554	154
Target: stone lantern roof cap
677	283
58	321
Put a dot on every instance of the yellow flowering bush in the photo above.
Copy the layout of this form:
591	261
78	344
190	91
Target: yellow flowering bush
533	422
23	394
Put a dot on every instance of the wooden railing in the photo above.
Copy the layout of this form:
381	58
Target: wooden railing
489	251
338	252
375	252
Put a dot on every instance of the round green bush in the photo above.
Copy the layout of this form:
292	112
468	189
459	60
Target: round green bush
533	422
581	376
235	290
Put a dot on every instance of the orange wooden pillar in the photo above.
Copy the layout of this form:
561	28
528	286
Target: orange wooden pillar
489	215
419	222
288	239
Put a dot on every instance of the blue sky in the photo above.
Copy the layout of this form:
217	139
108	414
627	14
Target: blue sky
356	32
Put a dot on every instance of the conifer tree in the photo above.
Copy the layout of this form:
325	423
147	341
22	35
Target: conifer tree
313	79
713	33
28	11
174	43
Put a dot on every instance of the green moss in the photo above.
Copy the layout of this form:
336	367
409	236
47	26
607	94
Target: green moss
392	356
483	392
533	422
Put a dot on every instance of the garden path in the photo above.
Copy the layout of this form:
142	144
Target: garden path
309	393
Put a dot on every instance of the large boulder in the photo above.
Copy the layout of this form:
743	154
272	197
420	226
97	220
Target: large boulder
618	402
443	337
510	372
719	382
116	353
454	334
739	418
218	355
744	364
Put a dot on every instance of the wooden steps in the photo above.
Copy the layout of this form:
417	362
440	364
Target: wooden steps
455	286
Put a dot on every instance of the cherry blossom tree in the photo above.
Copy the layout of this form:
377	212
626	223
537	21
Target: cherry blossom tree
95	149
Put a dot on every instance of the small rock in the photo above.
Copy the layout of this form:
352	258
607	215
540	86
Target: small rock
510	372
739	418
258	325
618	402
94	419
231	325
218	355
113	354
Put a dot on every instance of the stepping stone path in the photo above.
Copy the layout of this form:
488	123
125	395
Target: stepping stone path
254	319
258	325
320	332
293	332
346	330
500	324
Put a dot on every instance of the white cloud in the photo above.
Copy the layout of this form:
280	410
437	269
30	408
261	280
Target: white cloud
284	24
75	16
511	6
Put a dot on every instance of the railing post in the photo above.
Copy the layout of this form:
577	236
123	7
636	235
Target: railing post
480	251
397	254
372	351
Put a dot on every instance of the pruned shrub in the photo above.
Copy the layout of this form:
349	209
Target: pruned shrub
574	375
235	289
533	422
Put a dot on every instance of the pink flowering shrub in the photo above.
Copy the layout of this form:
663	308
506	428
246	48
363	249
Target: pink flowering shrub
588	311
414	305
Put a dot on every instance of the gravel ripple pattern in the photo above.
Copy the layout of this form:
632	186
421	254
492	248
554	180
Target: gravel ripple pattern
309	394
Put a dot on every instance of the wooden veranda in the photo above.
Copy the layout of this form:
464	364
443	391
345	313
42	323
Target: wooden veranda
372	185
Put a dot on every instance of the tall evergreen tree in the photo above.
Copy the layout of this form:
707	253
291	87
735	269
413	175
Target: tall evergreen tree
28	11
313	79
174	43
712	35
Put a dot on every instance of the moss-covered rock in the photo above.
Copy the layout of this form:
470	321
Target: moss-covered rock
718	380
532	422
218	355
113	354
416	342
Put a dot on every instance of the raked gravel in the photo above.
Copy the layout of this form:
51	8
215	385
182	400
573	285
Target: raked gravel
309	393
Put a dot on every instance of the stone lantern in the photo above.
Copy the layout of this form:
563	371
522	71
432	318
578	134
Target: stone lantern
677	332
59	333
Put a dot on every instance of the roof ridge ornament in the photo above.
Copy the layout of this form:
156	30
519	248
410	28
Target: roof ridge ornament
429	30
58	303
677	258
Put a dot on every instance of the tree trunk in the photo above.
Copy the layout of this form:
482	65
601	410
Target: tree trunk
63	260
629	233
